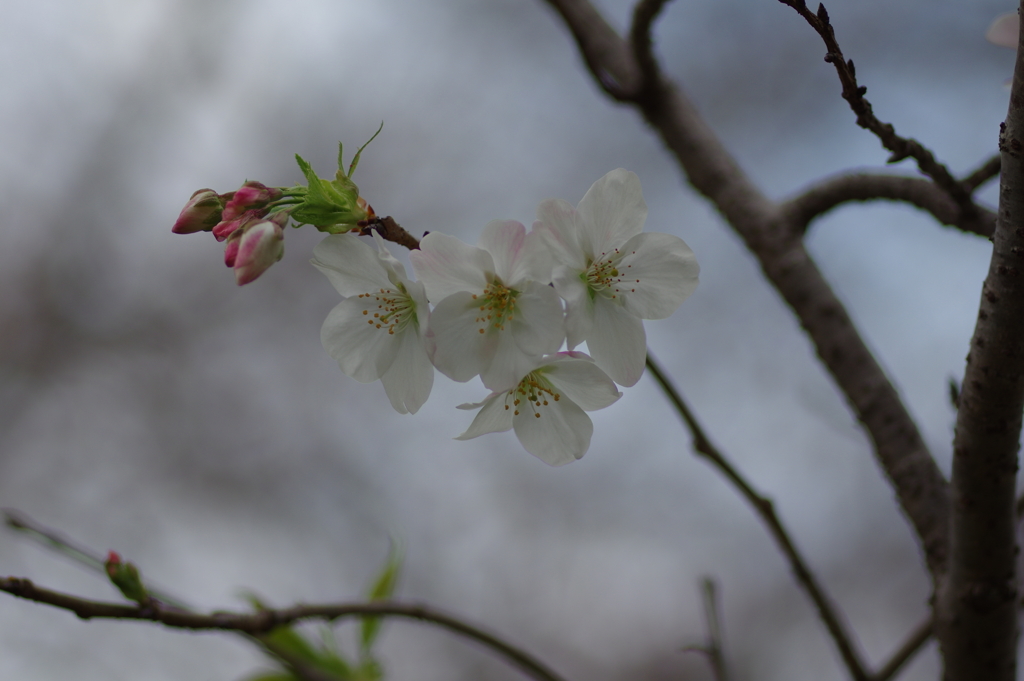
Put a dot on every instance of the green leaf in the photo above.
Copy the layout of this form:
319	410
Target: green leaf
382	589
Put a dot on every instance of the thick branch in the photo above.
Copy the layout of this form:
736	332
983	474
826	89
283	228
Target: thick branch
775	241
977	614
766	510
264	621
924	194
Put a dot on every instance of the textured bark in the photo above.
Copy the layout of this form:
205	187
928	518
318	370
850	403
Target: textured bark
774	235
977	606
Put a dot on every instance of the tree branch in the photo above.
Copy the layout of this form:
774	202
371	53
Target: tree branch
834	191
776	242
264	621
901	147
921	634
977	603
766	510
987	171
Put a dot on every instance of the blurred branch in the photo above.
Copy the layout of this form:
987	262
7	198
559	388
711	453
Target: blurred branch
924	194
776	240
766	510
264	621
713	649
921	634
987	171
901	147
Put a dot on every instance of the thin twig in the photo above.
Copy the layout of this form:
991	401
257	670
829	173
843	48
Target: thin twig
853	93
264	621
184	614
832	192
921	634
987	171
765	509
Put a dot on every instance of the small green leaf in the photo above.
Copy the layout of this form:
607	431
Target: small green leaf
382	589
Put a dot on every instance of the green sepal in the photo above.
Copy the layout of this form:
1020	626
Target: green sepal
355	159
382	589
331	207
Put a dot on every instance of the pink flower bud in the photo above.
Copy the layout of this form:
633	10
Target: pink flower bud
200	214
261	245
231	248
227	227
251	195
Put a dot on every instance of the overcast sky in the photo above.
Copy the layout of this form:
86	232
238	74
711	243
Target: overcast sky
149	405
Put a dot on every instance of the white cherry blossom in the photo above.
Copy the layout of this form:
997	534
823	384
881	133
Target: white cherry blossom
546	408
611	275
378	331
494	312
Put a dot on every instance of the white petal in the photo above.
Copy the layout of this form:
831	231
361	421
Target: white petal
618	342
446	265
538	323
504	240
534	264
580	380
557	225
411	376
457	347
612	211
493	417
579	306
351	265
352	338
1004	30
658	272
390	262
508	364
560	435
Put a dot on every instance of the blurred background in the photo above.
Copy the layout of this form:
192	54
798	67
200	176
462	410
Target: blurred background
149	405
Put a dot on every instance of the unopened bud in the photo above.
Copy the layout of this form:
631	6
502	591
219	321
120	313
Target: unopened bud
125	576
260	246
200	214
251	195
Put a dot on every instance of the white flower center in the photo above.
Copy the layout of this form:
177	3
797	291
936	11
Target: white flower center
532	394
497	306
606	276
395	309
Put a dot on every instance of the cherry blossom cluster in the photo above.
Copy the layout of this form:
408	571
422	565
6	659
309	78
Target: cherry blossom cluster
503	309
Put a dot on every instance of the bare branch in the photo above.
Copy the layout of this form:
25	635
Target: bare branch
976	605
264	621
921	634
776	242
988	170
925	194
901	147
766	510
388	228
644	14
